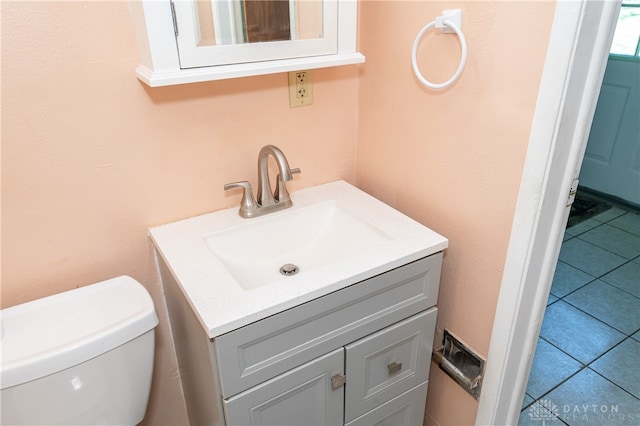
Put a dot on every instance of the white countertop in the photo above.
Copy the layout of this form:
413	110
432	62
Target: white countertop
222	305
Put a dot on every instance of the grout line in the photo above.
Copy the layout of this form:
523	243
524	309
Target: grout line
590	229
601	248
597	277
577	288
567	354
561	383
614	285
598	319
609	350
615	384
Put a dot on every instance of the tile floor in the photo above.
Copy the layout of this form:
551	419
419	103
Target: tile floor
586	370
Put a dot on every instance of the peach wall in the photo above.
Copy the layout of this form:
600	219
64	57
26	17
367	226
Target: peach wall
452	159
91	157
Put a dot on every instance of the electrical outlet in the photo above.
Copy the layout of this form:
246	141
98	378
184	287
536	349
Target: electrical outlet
300	89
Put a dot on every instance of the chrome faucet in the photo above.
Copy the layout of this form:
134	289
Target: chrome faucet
267	201
265	197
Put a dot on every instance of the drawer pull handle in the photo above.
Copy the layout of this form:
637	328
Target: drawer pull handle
394	368
338	381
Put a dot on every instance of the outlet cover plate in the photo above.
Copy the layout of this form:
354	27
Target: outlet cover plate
300	89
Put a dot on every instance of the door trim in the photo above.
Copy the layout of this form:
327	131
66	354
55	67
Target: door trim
576	58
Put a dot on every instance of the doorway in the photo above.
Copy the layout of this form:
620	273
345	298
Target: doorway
576	58
588	352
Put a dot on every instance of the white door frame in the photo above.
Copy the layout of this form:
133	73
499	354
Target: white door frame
576	58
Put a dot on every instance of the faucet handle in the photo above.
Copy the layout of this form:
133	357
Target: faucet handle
248	203
281	194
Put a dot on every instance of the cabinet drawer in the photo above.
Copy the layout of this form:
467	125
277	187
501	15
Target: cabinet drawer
255	353
388	363
406	409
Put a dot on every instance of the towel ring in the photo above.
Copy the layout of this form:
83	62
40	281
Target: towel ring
439	23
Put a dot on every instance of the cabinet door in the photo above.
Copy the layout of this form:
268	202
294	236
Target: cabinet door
302	396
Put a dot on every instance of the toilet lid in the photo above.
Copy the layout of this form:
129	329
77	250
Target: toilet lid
51	334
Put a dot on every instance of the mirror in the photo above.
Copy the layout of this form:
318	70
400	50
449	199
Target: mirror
223	32
230	22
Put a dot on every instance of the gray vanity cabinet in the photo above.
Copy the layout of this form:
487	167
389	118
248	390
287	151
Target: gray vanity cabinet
357	356
379	368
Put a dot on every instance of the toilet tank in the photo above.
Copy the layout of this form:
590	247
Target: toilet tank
84	356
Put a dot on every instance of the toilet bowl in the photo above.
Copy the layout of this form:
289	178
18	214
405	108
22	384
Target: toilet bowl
82	357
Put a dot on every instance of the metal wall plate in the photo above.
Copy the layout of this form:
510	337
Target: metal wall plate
461	364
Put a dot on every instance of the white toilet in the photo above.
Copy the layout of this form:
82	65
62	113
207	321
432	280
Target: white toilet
82	357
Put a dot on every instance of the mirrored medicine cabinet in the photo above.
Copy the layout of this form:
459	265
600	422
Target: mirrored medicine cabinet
188	41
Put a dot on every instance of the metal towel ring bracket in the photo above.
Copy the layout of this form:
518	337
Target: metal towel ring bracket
449	22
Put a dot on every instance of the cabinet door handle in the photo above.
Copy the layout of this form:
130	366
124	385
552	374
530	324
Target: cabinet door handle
338	381
394	368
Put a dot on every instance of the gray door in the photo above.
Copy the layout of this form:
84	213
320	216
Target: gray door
612	160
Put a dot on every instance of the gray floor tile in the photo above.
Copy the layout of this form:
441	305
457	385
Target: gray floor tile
626	277
567	279
630	222
589	258
550	367
609	304
583	227
636	336
610	214
576	333
615	240
589	399
621	365
566	237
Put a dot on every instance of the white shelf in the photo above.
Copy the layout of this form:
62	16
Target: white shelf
220	72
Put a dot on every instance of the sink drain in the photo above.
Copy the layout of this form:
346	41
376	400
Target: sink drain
289	269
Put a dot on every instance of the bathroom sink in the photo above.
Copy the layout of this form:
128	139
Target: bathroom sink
333	236
298	240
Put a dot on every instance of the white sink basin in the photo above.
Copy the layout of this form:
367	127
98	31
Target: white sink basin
229	267
308	238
